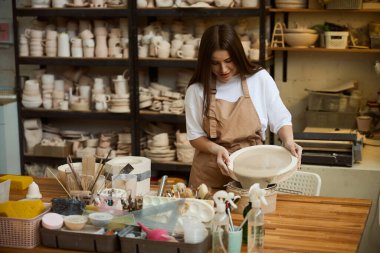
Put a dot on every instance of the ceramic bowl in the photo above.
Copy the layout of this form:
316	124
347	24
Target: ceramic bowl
300	40
75	222
263	164
31	104
100	219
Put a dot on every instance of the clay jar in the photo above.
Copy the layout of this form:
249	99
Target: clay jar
63	45
101	46
120	85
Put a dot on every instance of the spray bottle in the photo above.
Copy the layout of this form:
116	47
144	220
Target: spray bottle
221	221
253	213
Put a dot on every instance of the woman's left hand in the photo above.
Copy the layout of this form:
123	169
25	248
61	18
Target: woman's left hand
295	150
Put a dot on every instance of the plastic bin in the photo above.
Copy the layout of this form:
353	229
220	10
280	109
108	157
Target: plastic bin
330	119
337	40
345	4
333	102
133	245
20	233
79	241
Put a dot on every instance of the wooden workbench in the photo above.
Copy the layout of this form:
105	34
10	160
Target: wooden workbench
299	224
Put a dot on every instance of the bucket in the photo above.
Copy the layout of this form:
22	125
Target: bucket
270	196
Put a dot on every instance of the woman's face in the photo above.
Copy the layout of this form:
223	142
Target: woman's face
222	66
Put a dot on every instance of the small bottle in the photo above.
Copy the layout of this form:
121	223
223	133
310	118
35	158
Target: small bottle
256	229
220	224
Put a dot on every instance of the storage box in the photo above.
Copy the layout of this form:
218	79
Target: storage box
79	241
345	4
20	233
134	245
337	40
375	42
53	151
332	102
330	119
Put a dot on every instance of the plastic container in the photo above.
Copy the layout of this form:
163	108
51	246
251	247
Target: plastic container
345	4
333	102
375	42
336	40
20	233
330	119
79	241
134	245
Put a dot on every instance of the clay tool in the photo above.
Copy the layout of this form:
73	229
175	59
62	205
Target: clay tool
162	185
59	182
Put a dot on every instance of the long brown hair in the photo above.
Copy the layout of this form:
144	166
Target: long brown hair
219	37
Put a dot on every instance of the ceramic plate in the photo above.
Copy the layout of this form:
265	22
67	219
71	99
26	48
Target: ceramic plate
119	110
77	6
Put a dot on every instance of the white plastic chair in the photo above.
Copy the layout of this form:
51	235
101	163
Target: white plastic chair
301	183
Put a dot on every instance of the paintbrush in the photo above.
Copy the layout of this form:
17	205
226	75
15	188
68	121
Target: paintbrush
69	162
100	171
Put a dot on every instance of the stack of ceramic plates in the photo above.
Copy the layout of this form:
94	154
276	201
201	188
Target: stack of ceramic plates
119	103
291	4
72	134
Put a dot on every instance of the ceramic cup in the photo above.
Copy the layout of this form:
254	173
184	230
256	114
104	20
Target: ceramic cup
364	123
249	3
187	51
64	105
59	3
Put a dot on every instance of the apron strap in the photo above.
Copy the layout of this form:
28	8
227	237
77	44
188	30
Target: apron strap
245	87
211	111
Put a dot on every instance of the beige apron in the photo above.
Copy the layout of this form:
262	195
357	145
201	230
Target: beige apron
233	125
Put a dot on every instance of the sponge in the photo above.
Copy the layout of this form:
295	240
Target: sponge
27	209
18	182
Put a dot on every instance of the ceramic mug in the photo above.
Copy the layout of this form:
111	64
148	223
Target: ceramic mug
187	52
59	3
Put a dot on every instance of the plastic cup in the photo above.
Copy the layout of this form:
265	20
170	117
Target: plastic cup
234	240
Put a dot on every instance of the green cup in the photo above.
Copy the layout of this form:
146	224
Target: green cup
234	240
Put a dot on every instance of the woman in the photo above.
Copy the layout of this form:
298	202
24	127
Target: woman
229	104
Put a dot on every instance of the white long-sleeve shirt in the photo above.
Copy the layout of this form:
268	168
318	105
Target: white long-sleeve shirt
264	95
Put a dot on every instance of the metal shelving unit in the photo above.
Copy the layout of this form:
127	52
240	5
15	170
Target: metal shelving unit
135	117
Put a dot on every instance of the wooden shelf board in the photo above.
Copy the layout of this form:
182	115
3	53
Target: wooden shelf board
72	12
199	12
43	113
173	166
170	62
323	10
327	50
162	117
44	60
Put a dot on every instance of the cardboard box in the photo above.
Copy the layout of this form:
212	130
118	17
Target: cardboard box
53	151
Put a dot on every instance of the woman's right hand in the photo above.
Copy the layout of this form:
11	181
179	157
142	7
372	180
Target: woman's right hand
222	159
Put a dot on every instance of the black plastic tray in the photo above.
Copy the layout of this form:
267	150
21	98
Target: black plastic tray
133	245
79	241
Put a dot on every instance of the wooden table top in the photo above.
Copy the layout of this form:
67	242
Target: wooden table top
299	224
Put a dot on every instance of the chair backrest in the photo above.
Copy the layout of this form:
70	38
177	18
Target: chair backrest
301	183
